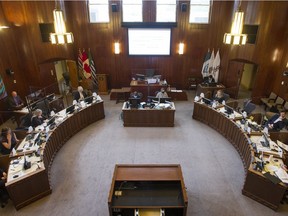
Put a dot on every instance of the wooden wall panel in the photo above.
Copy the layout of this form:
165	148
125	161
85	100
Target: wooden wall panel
24	50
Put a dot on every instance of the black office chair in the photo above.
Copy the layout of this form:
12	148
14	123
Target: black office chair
248	107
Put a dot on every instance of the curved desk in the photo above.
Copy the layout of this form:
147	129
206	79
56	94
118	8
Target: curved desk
256	186
36	184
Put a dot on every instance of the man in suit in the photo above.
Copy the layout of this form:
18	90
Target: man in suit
278	121
80	94
15	102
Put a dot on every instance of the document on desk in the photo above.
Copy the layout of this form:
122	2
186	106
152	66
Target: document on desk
282	145
282	174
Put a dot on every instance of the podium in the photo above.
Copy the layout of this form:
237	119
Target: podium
102	83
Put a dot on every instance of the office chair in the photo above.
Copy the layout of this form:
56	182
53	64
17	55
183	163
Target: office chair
248	107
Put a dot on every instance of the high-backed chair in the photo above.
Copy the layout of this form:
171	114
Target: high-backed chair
278	104
272	97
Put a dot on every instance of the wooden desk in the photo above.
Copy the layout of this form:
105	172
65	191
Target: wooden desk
256	186
147	187
148	117
34	185
208	91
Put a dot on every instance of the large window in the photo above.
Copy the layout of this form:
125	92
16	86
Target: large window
132	10
199	11
99	11
166	11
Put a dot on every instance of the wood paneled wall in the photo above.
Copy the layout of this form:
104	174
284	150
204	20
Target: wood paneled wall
22	49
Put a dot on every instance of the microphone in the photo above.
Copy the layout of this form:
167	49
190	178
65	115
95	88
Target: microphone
119	192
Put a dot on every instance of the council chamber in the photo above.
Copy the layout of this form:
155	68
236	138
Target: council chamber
132	108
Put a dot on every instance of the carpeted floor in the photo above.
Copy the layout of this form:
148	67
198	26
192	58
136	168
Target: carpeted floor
82	170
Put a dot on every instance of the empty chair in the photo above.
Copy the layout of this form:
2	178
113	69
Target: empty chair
272	97
248	107
277	105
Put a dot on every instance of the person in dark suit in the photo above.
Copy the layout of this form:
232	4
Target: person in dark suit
219	96
8	141
3	192
37	119
15	102
80	94
136	94
277	122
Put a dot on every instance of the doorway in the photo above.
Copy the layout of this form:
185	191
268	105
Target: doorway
240	78
247	81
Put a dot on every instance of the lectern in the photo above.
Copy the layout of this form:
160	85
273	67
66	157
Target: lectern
147	189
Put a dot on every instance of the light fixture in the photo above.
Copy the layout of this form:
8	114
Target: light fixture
60	36
236	37
3	22
117	48
181	48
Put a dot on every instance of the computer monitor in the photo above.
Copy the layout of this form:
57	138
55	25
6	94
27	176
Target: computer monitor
134	102
88	100
164	100
51	120
140	77
228	110
150	72
156	100
50	97
70	109
206	101
266	142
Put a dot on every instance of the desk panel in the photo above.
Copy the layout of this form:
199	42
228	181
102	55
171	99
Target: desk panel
256	186
34	186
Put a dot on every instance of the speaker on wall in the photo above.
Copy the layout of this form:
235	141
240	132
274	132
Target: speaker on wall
183	7
114	7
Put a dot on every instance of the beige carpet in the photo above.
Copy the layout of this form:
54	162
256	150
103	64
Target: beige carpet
83	168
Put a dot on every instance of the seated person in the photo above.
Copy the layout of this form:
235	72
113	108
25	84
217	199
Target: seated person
80	94
37	118
136	94
277	122
219	96
8	141
3	192
15	102
211	79
162	94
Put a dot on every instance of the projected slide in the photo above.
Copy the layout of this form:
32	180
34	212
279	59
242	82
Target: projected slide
149	41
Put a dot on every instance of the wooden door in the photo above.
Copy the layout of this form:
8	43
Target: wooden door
73	73
48	78
233	78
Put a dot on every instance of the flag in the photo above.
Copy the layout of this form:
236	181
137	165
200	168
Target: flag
80	63
216	67
93	69
211	60
205	67
3	92
85	65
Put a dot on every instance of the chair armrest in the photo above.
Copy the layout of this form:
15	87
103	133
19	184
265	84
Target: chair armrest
271	100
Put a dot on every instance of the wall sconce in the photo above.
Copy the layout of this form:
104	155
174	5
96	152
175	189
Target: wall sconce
181	48
3	21
117	48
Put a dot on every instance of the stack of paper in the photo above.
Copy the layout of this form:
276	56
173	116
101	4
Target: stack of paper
282	174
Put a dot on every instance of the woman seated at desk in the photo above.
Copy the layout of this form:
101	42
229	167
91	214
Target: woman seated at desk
8	141
37	119
162	94
219	97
